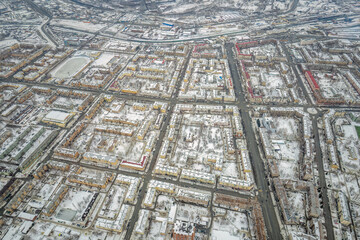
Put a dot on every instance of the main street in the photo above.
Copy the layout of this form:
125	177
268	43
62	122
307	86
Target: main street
264	197
322	180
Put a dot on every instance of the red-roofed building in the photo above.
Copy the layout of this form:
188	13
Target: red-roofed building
135	165
311	80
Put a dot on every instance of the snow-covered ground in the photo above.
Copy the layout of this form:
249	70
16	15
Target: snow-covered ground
81	25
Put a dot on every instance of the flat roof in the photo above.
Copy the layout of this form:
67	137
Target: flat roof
57	116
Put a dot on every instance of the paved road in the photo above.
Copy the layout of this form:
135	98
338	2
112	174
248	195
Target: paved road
264	197
148	175
320	165
149	98
318	155
48	37
89	5
298	78
43	12
294	4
